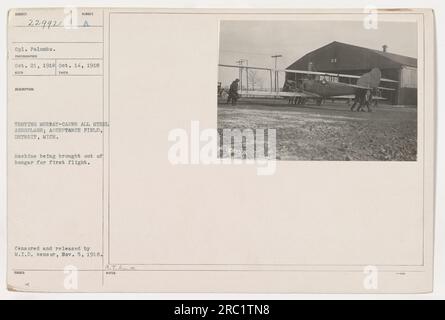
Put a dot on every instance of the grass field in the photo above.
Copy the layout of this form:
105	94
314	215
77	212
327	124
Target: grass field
330	131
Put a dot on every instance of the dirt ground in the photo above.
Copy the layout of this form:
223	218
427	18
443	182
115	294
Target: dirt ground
329	131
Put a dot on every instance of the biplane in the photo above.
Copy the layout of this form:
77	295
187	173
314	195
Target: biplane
319	85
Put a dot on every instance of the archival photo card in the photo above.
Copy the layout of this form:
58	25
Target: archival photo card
235	150
332	90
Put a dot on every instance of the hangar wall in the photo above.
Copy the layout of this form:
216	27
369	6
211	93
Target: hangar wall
344	58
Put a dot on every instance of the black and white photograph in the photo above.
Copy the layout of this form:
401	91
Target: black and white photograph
332	90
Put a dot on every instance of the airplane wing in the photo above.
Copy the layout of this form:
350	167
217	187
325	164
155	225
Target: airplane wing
265	94
363	87
352	97
339	75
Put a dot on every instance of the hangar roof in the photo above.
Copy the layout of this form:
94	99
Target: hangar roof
338	56
402	60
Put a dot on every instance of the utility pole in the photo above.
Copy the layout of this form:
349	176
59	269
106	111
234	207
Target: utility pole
276	56
240	72
241	64
247	74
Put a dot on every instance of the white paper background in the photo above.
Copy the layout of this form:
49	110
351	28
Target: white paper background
438	5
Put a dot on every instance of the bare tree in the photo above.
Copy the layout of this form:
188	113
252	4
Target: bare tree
254	79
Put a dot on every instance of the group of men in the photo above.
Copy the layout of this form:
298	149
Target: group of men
291	86
363	98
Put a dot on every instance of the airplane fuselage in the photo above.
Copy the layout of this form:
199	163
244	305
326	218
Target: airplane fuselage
326	89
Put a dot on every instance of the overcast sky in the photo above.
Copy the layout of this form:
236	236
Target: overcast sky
256	41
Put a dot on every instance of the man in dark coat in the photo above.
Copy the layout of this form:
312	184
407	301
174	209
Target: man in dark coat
358	99
366	101
233	92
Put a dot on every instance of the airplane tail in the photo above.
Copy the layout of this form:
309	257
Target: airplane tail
370	79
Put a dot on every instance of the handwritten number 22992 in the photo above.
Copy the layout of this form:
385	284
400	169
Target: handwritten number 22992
44	23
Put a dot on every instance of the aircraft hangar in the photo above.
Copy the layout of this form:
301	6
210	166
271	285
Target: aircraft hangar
338	57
